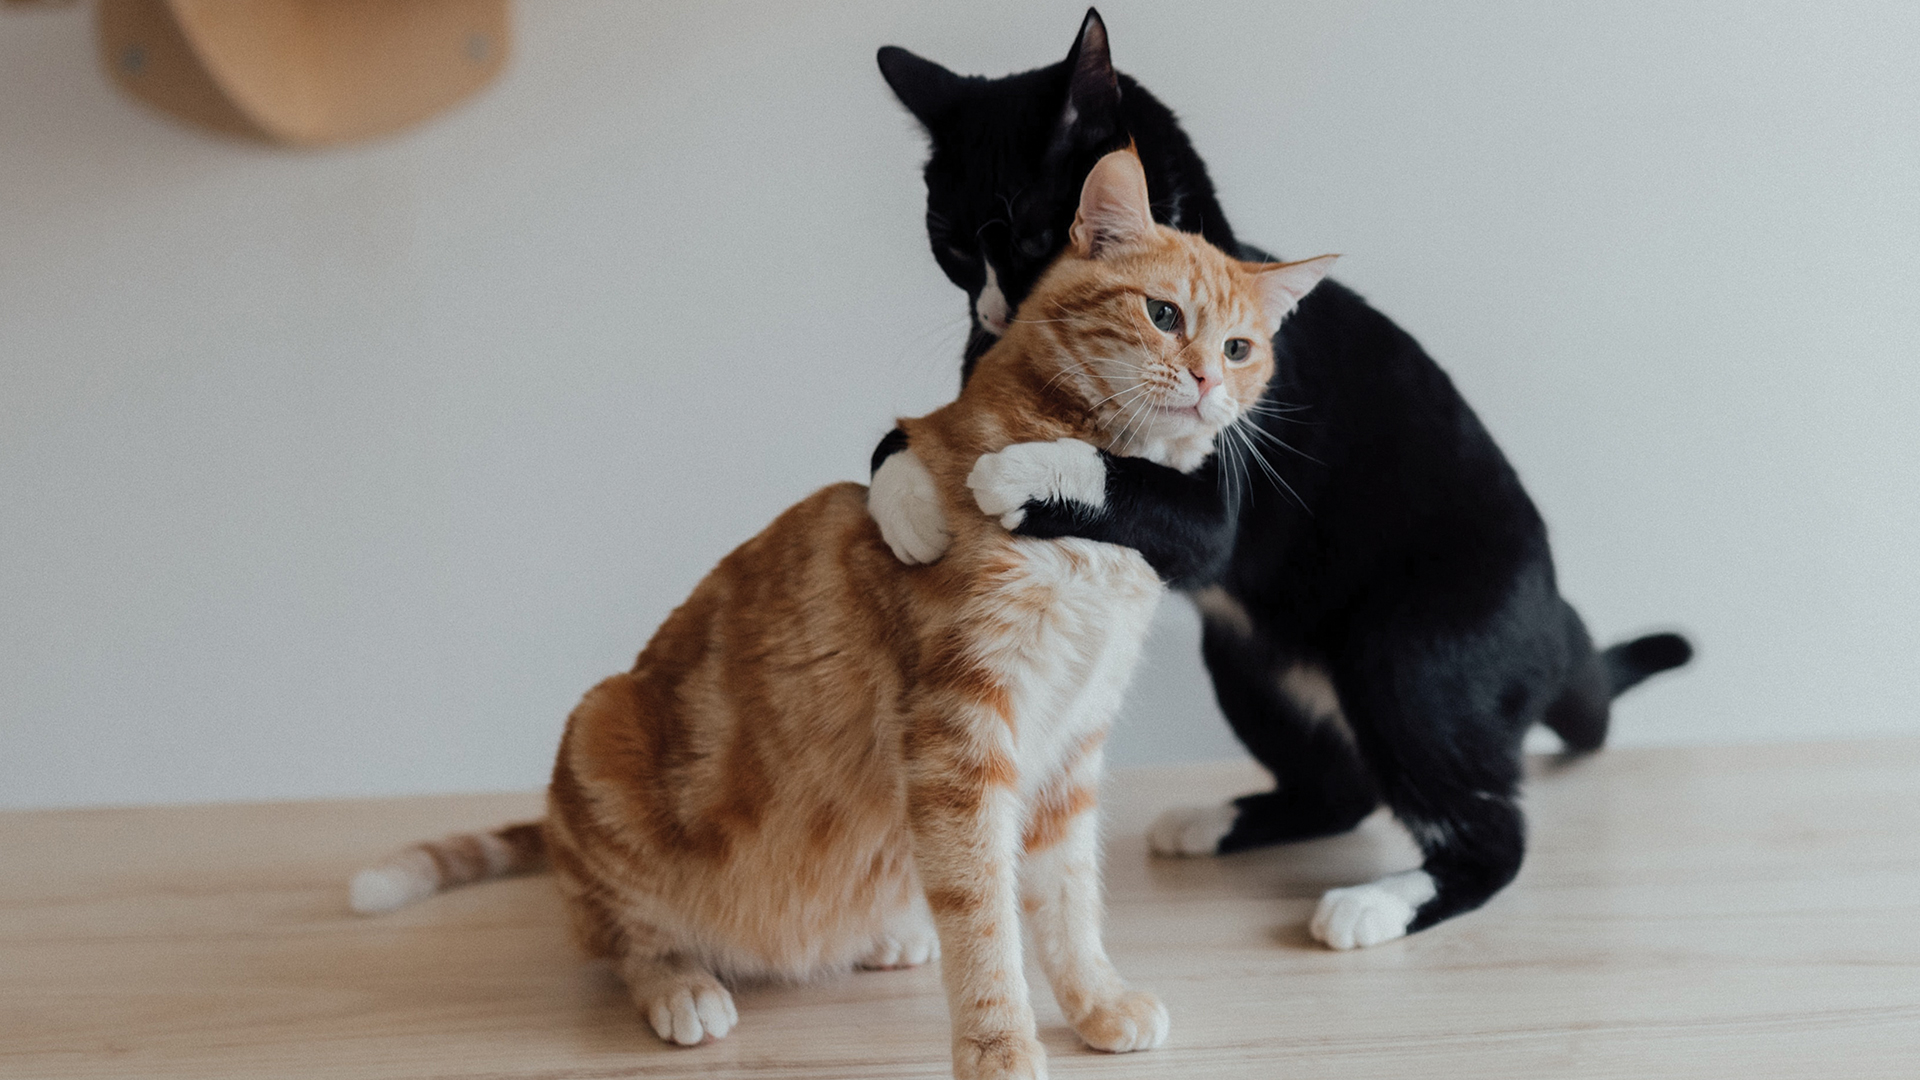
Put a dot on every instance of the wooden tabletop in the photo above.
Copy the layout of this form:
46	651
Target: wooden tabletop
1740	912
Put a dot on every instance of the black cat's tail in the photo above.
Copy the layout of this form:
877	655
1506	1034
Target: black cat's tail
1580	714
1629	663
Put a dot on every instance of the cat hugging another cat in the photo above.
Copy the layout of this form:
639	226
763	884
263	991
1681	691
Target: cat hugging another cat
828	758
873	733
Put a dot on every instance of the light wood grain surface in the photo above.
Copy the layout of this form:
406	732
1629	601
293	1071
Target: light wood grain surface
1750	912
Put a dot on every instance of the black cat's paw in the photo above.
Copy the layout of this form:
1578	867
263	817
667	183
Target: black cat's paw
1360	916
1008	482
1192	831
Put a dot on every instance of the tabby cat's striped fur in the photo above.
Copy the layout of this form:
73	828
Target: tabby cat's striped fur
825	758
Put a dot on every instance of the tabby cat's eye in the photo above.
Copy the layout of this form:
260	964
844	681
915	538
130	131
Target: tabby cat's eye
1238	349
1164	315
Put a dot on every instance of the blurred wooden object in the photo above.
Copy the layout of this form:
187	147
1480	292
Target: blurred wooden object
303	72
1713	912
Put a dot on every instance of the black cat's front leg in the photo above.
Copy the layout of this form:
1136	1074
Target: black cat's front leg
1182	523
1287	716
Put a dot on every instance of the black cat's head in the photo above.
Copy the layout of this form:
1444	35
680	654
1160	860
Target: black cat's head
1009	156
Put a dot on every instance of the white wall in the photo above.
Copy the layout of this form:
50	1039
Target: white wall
344	473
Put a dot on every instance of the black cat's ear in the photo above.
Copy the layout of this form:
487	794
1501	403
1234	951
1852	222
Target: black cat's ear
1091	114
924	87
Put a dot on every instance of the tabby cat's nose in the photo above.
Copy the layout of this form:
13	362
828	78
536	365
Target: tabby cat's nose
1204	379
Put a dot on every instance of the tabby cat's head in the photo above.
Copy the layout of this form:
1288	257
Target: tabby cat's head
1164	338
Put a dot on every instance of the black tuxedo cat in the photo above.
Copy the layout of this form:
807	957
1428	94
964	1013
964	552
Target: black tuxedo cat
1382	621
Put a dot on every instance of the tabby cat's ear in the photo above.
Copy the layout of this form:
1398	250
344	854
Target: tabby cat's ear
1282	285
924	87
1091	114
1114	210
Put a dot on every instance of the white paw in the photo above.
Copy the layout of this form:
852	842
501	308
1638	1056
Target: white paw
1362	915
903	950
905	504
690	1010
1133	1021
1003	482
1192	830
999	1055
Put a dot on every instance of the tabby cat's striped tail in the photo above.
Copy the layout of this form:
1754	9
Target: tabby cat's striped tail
437	865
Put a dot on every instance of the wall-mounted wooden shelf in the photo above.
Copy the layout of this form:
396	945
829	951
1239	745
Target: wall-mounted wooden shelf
303	72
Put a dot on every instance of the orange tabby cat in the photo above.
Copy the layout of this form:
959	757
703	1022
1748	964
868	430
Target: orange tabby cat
825	758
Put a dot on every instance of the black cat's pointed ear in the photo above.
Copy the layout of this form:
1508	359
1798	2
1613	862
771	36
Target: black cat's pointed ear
924	87
1091	114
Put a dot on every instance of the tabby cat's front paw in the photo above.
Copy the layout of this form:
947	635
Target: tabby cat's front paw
1133	1021
689	1010
999	1055
1065	469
